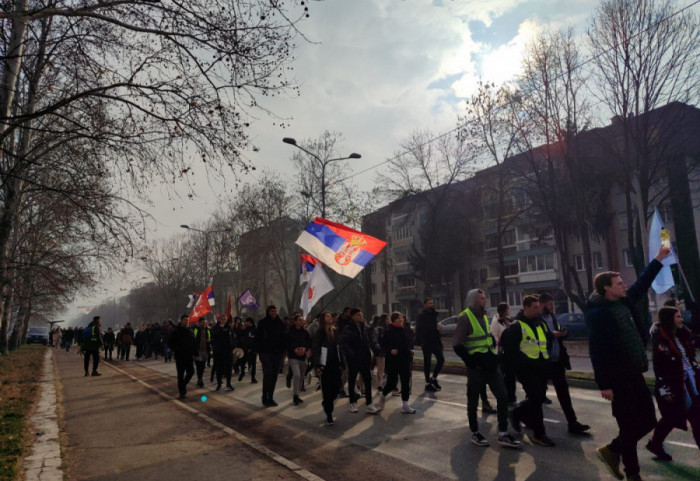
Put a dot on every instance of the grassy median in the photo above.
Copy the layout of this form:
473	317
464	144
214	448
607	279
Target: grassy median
19	375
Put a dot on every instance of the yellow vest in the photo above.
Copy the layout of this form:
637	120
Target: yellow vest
532	346
479	340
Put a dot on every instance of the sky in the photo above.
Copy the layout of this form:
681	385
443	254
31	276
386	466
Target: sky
375	71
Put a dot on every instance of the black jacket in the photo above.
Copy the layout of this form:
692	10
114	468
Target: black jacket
396	338
427	334
354	341
606	340
181	341
222	340
245	339
270	335
297	338
109	339
511	337
334	357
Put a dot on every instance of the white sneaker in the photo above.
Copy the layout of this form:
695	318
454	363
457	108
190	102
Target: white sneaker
408	410
371	409
380	402
353	408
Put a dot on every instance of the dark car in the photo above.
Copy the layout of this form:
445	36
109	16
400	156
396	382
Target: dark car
38	335
575	324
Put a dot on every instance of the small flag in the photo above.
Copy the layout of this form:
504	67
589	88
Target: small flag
307	264
664	279
248	300
318	286
192	299
209	292
201	308
345	250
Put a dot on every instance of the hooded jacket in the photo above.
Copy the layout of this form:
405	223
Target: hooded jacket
480	360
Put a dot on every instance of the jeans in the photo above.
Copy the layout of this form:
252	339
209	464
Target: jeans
95	353
427	357
366	379
270	365
185	371
298	370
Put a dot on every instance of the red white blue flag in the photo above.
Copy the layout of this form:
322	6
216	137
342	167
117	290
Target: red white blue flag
306	267
345	250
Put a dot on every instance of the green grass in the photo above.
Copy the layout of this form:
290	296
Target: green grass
19	376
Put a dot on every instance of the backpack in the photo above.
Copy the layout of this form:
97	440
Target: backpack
87	334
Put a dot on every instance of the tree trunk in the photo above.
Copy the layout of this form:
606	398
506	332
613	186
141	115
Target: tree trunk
13	63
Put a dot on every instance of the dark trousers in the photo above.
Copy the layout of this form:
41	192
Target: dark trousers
95	353
353	371
534	381
330	385
251	359
185	371
108	352
664	427
477	380
427	358
200	365
394	372
508	378
224	365
126	350
634	411
558	377
270	366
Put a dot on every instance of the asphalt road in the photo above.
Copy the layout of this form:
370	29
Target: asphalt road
432	444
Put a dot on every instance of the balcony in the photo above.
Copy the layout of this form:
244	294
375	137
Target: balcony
402	268
405	293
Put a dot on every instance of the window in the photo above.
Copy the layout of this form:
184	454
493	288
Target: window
627	257
401	232
507	239
540	262
373	267
514	298
578	261
391	283
510	268
483	275
374	288
440	303
598	261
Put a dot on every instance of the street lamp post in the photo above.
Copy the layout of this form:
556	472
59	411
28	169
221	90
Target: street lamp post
206	246
323	164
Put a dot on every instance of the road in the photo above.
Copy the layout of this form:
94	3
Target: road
433	443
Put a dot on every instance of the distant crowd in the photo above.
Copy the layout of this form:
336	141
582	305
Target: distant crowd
349	358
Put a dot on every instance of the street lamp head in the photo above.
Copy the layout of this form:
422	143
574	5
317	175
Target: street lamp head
185	226
354	156
289	140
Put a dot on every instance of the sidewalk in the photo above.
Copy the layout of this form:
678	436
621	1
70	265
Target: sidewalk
118	430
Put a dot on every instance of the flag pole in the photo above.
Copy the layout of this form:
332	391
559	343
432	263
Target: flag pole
327	303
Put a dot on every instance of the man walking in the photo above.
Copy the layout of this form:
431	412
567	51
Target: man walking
202	337
617	346
525	347
126	336
559	363
91	345
428	338
222	343
270	340
354	341
182	343
474	344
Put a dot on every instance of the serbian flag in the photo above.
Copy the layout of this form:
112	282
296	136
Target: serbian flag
345	250
306	267
209	292
201	308
318	286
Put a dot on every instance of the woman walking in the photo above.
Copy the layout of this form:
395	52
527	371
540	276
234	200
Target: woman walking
328	361
376	332
676	372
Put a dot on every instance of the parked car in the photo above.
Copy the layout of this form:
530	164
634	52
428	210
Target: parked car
575	324
449	325
38	335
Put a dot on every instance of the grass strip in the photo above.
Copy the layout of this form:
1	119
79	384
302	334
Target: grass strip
19	377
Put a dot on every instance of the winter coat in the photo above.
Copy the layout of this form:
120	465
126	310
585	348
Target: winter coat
427	333
222	340
126	335
354	341
668	369
270	335
297	338
513	336
109	339
334	354
376	333
609	340
181	341
396	338
246	339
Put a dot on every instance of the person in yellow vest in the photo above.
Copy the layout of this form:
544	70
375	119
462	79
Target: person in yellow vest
525	347
473	342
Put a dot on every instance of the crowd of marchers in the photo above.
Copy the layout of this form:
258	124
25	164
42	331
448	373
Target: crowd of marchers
344	356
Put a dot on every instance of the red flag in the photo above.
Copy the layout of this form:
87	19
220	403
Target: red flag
229	311
202	307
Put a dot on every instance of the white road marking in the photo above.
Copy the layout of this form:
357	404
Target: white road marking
292	466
